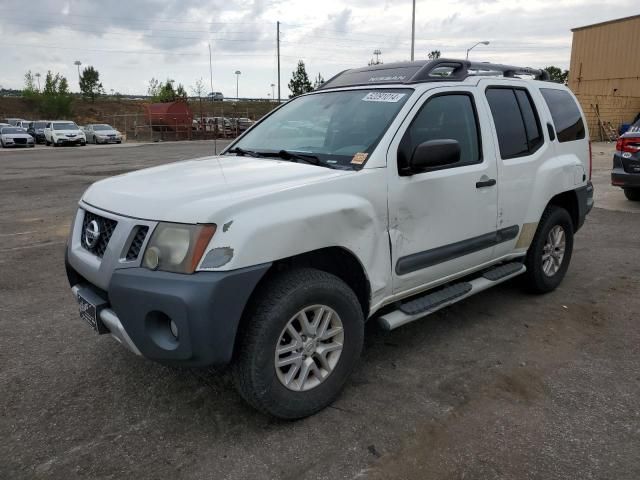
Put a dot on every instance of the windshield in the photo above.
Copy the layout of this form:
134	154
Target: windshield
102	127
341	128
65	126
12	130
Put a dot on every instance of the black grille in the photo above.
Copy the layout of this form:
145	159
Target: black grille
106	227
20	141
136	243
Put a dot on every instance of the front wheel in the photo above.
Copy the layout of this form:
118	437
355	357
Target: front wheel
550	252
302	336
632	194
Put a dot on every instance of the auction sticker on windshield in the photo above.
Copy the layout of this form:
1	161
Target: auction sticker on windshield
390	97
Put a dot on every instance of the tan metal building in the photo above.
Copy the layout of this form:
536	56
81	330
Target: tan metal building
605	72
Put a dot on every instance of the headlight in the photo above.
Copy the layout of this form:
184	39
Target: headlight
175	247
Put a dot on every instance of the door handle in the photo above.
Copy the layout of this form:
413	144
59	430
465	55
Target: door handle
486	183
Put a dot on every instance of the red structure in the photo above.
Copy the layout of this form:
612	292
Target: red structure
174	117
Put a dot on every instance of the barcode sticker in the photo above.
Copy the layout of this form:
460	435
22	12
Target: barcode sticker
383	97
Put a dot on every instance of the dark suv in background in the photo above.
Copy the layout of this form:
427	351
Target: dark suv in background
36	130
626	163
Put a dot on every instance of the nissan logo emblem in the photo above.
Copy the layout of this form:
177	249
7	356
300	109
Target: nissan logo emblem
91	234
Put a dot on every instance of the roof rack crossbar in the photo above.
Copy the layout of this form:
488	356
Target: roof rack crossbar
461	69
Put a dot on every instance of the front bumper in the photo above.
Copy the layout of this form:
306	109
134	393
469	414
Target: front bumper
70	141
206	307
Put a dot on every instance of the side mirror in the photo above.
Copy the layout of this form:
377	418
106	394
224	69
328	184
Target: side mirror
435	153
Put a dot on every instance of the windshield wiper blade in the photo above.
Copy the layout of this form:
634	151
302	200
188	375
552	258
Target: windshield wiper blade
305	157
242	152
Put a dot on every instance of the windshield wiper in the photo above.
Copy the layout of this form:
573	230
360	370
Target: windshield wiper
242	152
305	157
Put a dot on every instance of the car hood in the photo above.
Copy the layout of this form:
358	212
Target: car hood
106	132
193	191
16	135
68	132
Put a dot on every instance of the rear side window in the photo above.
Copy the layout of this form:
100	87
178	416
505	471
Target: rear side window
565	113
516	121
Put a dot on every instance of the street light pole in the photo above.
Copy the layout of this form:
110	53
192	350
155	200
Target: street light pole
77	63
485	42
413	30
238	72
273	96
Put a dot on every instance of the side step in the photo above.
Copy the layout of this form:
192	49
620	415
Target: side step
420	307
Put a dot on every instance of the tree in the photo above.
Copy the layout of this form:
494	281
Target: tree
154	88
434	54
30	89
299	83
55	100
165	92
557	75
90	85
198	90
317	83
181	93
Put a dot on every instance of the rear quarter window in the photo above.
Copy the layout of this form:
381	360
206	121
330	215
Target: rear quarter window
565	113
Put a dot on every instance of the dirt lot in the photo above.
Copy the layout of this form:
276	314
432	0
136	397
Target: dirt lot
502	386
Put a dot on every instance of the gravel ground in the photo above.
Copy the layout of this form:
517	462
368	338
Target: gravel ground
504	385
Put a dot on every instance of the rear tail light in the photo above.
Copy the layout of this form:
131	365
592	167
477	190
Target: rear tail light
628	144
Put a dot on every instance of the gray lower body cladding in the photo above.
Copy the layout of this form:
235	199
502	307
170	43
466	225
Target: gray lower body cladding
585	202
206	307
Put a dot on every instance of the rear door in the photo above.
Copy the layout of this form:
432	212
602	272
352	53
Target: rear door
442	221
522	147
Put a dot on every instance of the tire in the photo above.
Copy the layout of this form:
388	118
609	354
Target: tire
537	280
47	143
257	377
83	144
632	194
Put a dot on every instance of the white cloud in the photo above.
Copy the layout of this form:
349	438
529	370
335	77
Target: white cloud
168	38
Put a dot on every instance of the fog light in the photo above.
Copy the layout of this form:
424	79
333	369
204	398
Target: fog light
152	258
174	328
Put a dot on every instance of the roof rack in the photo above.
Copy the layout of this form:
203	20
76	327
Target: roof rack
439	70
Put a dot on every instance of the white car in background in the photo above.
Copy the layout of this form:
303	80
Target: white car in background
102	133
15	137
64	133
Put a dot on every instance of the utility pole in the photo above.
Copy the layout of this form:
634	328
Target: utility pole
278	43
413	30
210	72
273	96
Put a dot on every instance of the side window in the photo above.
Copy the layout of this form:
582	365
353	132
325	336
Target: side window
516	121
512	137
449	116
531	122
565	113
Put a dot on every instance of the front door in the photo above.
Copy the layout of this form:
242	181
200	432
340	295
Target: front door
442	221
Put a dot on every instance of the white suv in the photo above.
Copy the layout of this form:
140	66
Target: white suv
64	133
391	192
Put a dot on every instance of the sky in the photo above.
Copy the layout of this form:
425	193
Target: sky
131	42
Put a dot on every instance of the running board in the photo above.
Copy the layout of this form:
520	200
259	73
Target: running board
420	307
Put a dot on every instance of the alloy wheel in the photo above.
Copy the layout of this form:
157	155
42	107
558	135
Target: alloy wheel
553	251
309	348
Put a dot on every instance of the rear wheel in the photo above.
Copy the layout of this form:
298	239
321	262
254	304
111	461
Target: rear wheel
632	194
302	337
549	255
